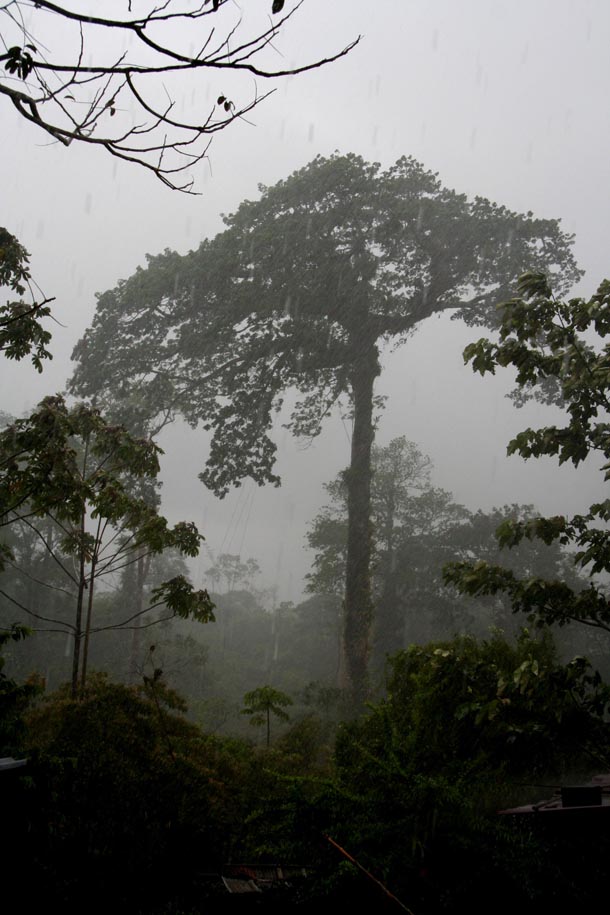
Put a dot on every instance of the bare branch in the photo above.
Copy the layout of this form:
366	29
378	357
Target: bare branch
161	619
177	144
48	547
47	619
38	581
135	616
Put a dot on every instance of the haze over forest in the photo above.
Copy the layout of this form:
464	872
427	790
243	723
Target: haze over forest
272	589
504	100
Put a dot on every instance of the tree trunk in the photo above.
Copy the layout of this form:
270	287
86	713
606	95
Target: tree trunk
388	619
140	573
77	640
358	614
78	634
82	580
83	675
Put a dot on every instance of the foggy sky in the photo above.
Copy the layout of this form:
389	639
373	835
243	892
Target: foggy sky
508	100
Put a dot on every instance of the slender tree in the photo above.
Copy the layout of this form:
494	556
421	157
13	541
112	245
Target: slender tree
301	291
231	568
69	468
261	703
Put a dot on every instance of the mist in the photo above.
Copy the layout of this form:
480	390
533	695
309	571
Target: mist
272	587
479	93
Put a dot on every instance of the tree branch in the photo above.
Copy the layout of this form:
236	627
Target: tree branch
170	155
46	619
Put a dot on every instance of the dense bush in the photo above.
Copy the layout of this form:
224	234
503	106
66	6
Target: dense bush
130	802
464	725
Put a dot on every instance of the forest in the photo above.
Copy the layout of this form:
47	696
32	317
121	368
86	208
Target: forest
402	727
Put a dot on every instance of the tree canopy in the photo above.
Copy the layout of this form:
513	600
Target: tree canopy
301	291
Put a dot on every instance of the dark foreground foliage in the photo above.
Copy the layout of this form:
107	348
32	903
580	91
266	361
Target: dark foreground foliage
127	800
126	806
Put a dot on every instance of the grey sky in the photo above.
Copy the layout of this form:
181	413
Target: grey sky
508	100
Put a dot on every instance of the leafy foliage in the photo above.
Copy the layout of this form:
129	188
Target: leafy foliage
122	786
420	776
496	706
261	703
296	648
21	331
131	802
70	467
14	698
560	356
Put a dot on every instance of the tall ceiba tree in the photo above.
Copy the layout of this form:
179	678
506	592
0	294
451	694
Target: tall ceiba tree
301	291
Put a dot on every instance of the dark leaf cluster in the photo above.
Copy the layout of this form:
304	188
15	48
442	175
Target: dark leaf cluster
21	330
